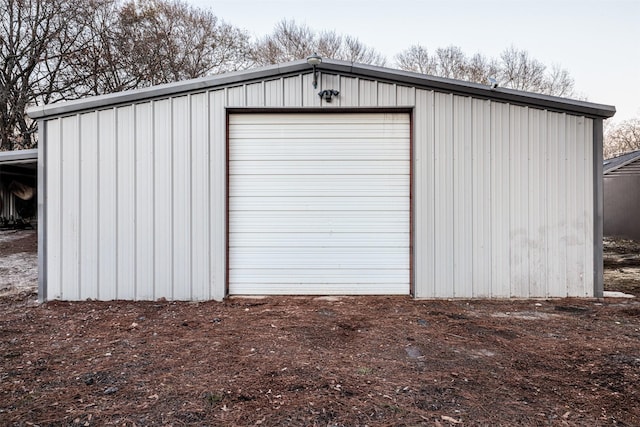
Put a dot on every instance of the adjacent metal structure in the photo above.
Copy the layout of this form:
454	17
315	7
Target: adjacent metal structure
158	192
622	196
15	166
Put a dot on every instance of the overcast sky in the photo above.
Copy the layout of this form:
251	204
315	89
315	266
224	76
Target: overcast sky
597	41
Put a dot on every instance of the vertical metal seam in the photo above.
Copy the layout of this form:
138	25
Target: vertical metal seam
117	181
79	213
135	197
412	284
208	95
98	264
60	209
190	169
172	279
153	199
226	204
42	211
598	214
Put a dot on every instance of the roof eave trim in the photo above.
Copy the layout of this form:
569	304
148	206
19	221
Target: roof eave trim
623	164
19	156
367	71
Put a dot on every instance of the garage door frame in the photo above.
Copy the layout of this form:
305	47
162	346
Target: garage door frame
295	110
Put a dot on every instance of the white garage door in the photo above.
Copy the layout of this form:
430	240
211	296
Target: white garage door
319	203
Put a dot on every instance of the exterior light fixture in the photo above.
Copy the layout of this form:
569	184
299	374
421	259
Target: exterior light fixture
328	94
314	60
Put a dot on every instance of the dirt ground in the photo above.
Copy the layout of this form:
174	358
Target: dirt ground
350	361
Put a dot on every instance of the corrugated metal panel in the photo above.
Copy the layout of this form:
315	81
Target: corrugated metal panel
406	95
462	197
310	96
293	91
481	198
181	201
519	200
500	209
331	82
632	168
588	284
53	238
386	94
273	93
368	96
270	213
424	195
236	96
349	90
163	192
556	189
89	214
126	202
519	236
144	209
503	202
217	202
443	196
537	142
255	94
107	216
200	189
8	208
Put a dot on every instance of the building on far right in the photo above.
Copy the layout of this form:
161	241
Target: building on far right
621	194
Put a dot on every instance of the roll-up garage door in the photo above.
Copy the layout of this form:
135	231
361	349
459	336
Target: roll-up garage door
319	203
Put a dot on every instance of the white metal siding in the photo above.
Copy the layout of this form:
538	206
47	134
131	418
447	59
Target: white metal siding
503	200
502	196
319	204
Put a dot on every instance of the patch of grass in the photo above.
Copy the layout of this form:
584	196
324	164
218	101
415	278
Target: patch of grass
213	399
363	370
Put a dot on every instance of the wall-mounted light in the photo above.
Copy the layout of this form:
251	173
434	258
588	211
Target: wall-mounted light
314	60
328	94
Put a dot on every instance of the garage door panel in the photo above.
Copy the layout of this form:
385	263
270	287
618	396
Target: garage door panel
313	133
345	203
364	118
321	186
318	222
305	239
312	288
319	203
318	276
320	258
291	150
320	167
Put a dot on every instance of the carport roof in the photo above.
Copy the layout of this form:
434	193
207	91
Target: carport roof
18	156
616	163
331	66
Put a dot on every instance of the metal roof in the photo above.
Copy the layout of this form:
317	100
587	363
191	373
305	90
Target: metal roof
616	163
18	156
331	66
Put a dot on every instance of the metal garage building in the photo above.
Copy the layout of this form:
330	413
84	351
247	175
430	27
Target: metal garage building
622	196
18	175
253	183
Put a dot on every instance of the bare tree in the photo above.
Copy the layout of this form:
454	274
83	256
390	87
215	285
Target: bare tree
558	82
36	37
53	50
417	59
451	62
514	69
161	41
519	71
621	138
290	41
480	68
